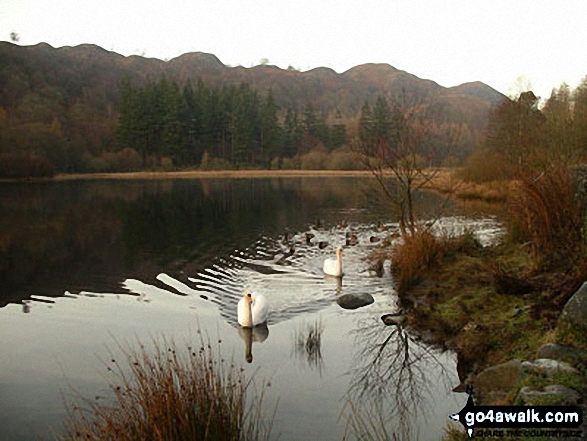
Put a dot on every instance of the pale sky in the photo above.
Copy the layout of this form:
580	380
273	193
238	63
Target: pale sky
448	41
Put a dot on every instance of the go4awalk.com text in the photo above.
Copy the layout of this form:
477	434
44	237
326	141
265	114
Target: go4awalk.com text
520	421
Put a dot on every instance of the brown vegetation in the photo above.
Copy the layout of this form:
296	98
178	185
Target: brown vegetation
457	183
416	255
413	257
171	394
547	213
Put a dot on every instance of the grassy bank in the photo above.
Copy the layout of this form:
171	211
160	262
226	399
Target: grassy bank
495	304
490	308
469	302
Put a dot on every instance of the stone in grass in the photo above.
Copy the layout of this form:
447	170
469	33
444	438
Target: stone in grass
556	351
495	382
548	367
553	395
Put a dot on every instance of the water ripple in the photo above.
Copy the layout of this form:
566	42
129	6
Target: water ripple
287	269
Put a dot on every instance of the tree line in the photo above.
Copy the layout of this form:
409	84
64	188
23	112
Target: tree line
46	128
217	126
522	134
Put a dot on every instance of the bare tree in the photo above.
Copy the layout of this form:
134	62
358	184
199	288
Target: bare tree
397	146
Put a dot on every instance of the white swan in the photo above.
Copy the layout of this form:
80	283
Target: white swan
333	267
252	310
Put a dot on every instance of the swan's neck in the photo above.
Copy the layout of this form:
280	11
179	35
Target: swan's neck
339	263
248	318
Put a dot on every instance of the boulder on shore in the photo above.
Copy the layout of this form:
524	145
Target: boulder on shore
495	382
559	352
553	395
574	316
547	366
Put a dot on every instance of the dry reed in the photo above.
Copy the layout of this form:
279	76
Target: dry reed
548	214
165	395
412	257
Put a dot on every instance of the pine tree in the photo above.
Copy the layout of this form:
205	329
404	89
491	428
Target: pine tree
338	132
270	130
292	133
126	115
190	123
170	140
382	120
559	137
366	125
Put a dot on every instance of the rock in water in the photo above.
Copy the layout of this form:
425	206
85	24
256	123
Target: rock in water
354	301
394	319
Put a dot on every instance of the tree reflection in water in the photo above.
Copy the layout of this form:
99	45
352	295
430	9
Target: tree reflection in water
393	382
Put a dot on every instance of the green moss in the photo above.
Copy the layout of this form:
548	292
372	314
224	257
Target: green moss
567	336
539	381
463	306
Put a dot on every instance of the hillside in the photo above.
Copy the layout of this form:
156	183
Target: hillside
49	96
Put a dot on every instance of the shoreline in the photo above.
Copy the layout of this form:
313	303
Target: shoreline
205	174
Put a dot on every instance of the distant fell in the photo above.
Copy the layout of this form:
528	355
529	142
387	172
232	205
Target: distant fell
85	108
479	90
92	66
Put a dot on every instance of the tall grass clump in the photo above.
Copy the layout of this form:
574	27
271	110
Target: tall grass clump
168	394
308	344
548	214
412	257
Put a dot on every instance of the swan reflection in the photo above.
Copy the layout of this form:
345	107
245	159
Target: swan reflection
257	334
334	282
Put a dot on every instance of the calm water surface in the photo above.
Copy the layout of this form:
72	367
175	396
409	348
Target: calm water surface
88	266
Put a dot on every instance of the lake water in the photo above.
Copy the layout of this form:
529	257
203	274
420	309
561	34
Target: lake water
88	266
